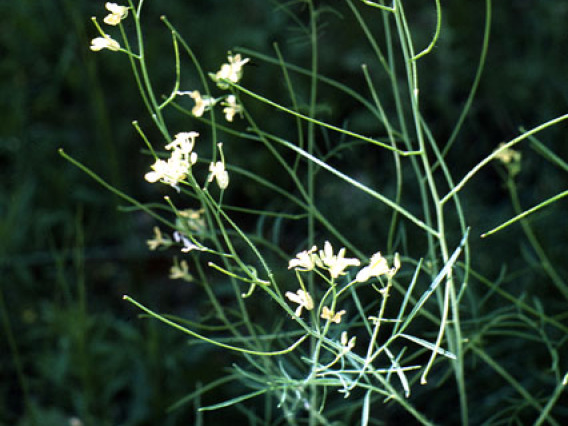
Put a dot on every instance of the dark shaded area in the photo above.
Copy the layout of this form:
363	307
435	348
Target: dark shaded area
67	254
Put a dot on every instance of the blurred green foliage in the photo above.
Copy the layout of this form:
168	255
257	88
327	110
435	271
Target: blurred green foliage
73	348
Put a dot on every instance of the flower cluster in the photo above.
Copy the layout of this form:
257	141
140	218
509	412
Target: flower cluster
230	72
328	314
304	300
116	15
336	264
231	107
191	220
202	103
175	169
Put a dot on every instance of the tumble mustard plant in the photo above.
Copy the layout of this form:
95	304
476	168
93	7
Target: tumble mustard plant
292	336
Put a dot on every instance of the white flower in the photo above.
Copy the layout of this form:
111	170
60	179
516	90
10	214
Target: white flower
231	107
218	172
347	345
175	169
187	244
303	299
183	144
304	261
378	266
170	172
117	13
106	42
232	71
336	263
328	314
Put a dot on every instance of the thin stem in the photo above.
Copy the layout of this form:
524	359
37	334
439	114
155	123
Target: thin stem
498	151
321	123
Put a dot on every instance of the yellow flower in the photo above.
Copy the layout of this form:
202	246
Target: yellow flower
231	108
231	71
510	158
328	314
202	103
180	271
106	42
158	240
507	155
335	263
378	266
303	299
191	219
304	261
117	13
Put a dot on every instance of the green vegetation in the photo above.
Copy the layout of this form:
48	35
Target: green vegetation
344	213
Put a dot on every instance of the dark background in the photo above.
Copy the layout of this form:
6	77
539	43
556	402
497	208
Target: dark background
71	346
